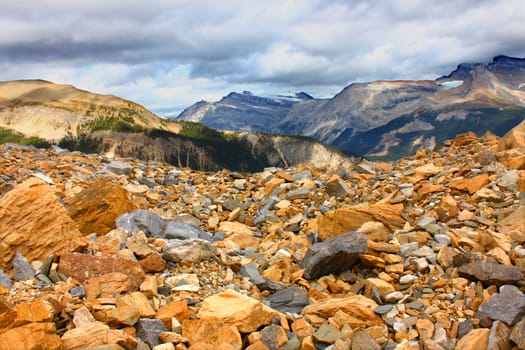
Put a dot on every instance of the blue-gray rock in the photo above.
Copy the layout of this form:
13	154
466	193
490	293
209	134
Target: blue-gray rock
270	335
334	255
289	300
465	327
180	230
58	150
192	250
119	168
491	273
250	271
148	330
142	220
5	280
20	147
508	305
77	291
22	269
299	193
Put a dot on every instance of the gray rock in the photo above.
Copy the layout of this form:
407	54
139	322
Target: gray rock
508	305
22	269
499	336
426	221
148	330
518	334
77	291
361	340
179	230
364	168
299	193
142	220
302	175
293	343
20	147
465	327
269	336
491	273
383	309
509	180
58	150
327	334
407	248
5	280
440	338
408	279
119	168
334	255
192	250
289	300
250	271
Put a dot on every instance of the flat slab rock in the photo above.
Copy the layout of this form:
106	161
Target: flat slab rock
508	305
334	255
491	273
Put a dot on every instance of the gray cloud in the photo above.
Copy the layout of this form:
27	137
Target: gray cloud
147	50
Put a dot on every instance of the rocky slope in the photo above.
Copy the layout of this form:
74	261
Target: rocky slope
390	119
423	253
42	112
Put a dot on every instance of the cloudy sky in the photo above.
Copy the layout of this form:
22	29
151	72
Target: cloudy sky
168	54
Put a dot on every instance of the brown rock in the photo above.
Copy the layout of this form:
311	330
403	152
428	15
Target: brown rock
491	273
108	286
34	223
234	308
96	334
343	220
515	138
175	309
32	336
338	188
471	185
466	139
24	313
83	266
153	263
97	207
358	307
476	339
138	301
205	332
518	334
499	337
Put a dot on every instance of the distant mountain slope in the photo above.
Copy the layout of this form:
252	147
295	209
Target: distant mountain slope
389	119
242	112
40	112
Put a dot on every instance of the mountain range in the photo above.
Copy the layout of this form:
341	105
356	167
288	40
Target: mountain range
385	119
43	113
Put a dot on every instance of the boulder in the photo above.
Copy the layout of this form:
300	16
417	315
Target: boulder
515	138
83	266
339	188
192	250
476	339
508	305
119	168
236	309
96	334
339	221
175	309
148	330
219	334
143	220
491	273
32	336
291	300
471	185
34	223
96	208
334	255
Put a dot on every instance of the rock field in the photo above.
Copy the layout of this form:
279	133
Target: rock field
426	253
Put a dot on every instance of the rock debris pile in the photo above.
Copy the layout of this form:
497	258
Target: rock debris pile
424	253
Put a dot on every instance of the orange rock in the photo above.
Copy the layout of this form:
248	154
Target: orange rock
175	309
470	185
83	266
97	207
343	220
474	340
302	328
358	307
33	222
96	334
137	301
108	285
466	139
234	308
24	313
153	263
32	336
515	138
206	333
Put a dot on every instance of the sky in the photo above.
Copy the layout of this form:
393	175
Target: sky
169	54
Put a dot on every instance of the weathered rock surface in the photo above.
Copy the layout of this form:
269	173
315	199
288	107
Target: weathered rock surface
491	273
33	336
96	207
334	255
508	305
34	223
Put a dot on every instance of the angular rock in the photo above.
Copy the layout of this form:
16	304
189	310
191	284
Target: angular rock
299	193
273	337
83	266
499	336
359	308
96	208
33	207
339	188
237	309
137	301
515	138
474	340
25	313
143	220
175	309
5	280
327	334
153	263
193	250
250	270
289	300
33	336
148	330
218	334
96	334
334	255
109	285
361	340
180	230
518	334
336	222
471	185
508	305
491	273
22	269
119	168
